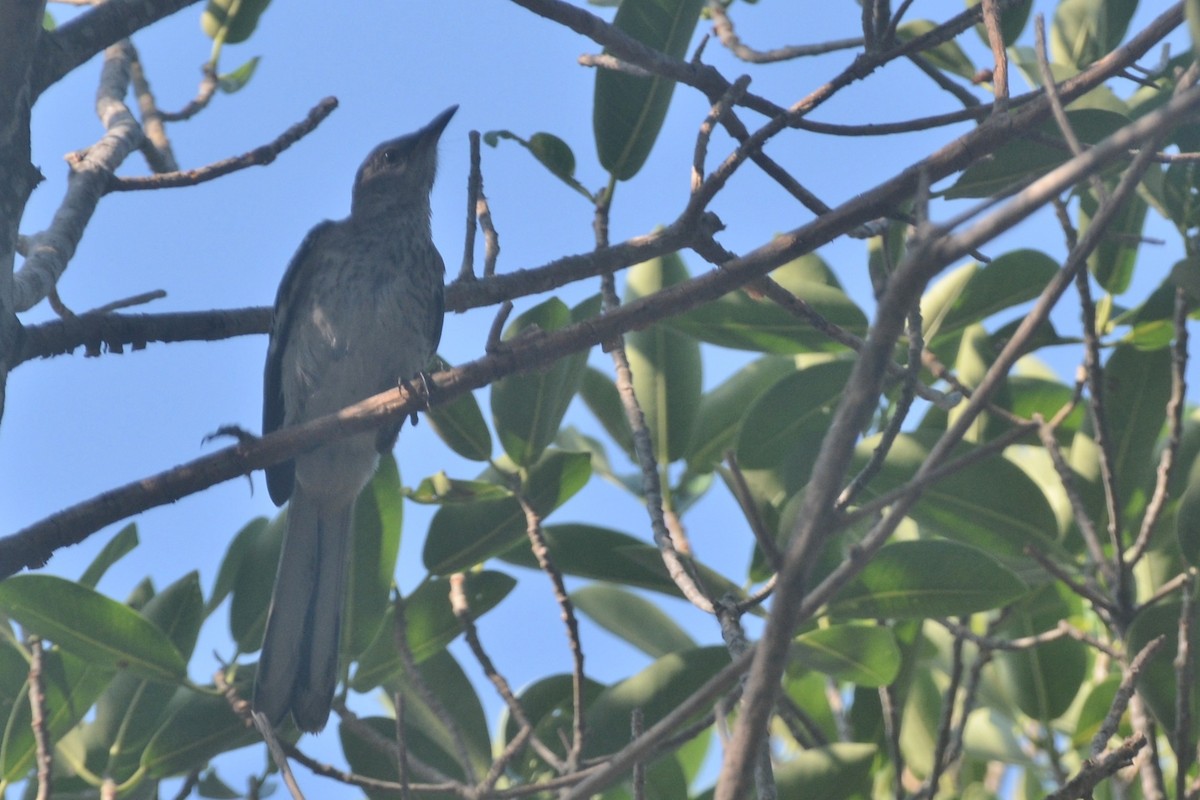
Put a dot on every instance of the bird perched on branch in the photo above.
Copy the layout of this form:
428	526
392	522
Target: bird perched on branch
359	309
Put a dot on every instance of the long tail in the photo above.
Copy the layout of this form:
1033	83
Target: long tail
298	668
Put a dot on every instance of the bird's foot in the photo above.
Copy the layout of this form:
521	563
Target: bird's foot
236	431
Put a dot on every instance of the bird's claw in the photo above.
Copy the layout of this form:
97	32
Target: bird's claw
236	431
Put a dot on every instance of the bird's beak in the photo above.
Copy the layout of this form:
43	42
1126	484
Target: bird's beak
433	131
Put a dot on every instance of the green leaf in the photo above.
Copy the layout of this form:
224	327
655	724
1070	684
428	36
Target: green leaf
599	393
1012	21
117	547
232	82
1046	678
72	685
1094	710
232	20
743	322
132	709
443	676
1157	682
632	618
589	551
665	364
258	560
431	624
1137	385
657	690
1023	159
378	517
460	424
440	488
232	562
975	504
1113	260
527	409
1086	30
947	56
974	292
865	655
628	111
552	152
201	726
787	422
918	579
839	770
721	410
91	626
465	534
549	706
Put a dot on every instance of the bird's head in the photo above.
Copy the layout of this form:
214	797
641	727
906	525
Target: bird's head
399	173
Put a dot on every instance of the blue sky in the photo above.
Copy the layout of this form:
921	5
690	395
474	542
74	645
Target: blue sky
75	427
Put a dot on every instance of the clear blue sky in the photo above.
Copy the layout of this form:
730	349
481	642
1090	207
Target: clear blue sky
75	427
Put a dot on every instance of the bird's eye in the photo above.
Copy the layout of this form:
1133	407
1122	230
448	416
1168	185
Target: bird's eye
391	155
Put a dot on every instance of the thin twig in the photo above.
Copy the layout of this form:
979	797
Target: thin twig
1175	409
1124	692
40	723
725	32
474	187
259	156
537	543
1182	735
462	611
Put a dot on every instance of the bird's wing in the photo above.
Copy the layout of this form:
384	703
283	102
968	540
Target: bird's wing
288	301
440	299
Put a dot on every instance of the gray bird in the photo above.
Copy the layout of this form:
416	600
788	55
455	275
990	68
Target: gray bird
359	309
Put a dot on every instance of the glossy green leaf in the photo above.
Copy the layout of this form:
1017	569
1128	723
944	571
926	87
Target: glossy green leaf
235	81
1137	385
120	545
91	626
927	578
590	551
71	684
254	580
527	409
743	322
722	409
232	562
632	618
466	534
865	655
201	727
1187	517
132	709
789	420
552	152
1086	30
1012	21
1023	159
975	292
431	624
599	393
232	20
1094	710
1029	395
839	770
947	56
460	424
378	516
1046	678
665	364
975	504
628	111
442	675
657	690
1113	260
440	488
549	705
1157	681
